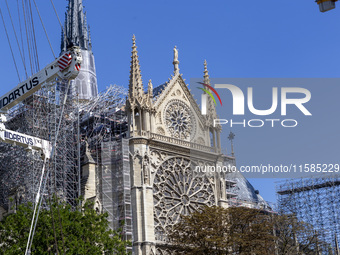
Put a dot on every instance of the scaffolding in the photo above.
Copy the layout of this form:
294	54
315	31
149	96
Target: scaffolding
315	201
98	125
20	169
116	188
241	193
103	128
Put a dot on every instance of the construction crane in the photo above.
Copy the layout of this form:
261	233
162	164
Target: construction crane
326	5
66	67
23	140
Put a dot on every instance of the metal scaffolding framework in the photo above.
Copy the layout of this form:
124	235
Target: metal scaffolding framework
88	128
20	169
103	129
99	122
315	201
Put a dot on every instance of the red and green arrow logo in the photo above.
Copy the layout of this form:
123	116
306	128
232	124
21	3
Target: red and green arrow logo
205	89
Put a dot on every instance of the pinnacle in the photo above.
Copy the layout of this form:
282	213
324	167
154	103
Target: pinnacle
134	47
206	73
135	84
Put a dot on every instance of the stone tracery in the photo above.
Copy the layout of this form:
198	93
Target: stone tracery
178	191
179	120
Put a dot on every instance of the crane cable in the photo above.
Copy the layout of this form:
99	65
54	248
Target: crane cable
62	28
35	48
57	15
27	37
21	37
9	42
30	36
39	198
43	180
16	37
42	23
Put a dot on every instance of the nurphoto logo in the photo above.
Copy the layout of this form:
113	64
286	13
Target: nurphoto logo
204	97
304	96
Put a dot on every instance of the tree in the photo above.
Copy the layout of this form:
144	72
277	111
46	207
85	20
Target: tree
240	230
203	232
61	230
296	237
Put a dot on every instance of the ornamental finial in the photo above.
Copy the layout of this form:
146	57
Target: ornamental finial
231	139
134	47
206	74
150	88
176	62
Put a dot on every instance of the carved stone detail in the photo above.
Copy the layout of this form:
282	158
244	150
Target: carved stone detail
146	169
160	131
200	140
179	120
158	118
178	191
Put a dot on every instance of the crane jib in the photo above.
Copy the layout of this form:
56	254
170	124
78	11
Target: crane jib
21	90
26	141
16	137
66	67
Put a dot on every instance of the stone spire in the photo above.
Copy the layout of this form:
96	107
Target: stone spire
76	32
206	74
76	29
211	112
90	40
176	62
135	84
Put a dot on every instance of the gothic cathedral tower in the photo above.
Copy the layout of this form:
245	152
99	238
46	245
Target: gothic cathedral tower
76	32
168	139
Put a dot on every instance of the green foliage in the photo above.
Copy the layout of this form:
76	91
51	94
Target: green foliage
240	230
61	230
296	237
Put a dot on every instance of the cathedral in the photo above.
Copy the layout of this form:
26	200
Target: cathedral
139	150
147	176
168	137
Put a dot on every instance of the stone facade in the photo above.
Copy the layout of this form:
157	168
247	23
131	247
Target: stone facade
168	138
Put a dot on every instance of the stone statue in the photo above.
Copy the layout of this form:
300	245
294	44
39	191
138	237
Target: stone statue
175	54
222	187
146	172
176	62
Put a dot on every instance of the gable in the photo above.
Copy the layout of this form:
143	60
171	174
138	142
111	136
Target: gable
178	114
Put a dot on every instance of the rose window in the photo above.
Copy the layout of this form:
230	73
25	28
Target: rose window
178	191
179	120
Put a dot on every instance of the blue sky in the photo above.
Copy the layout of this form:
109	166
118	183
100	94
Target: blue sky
240	39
